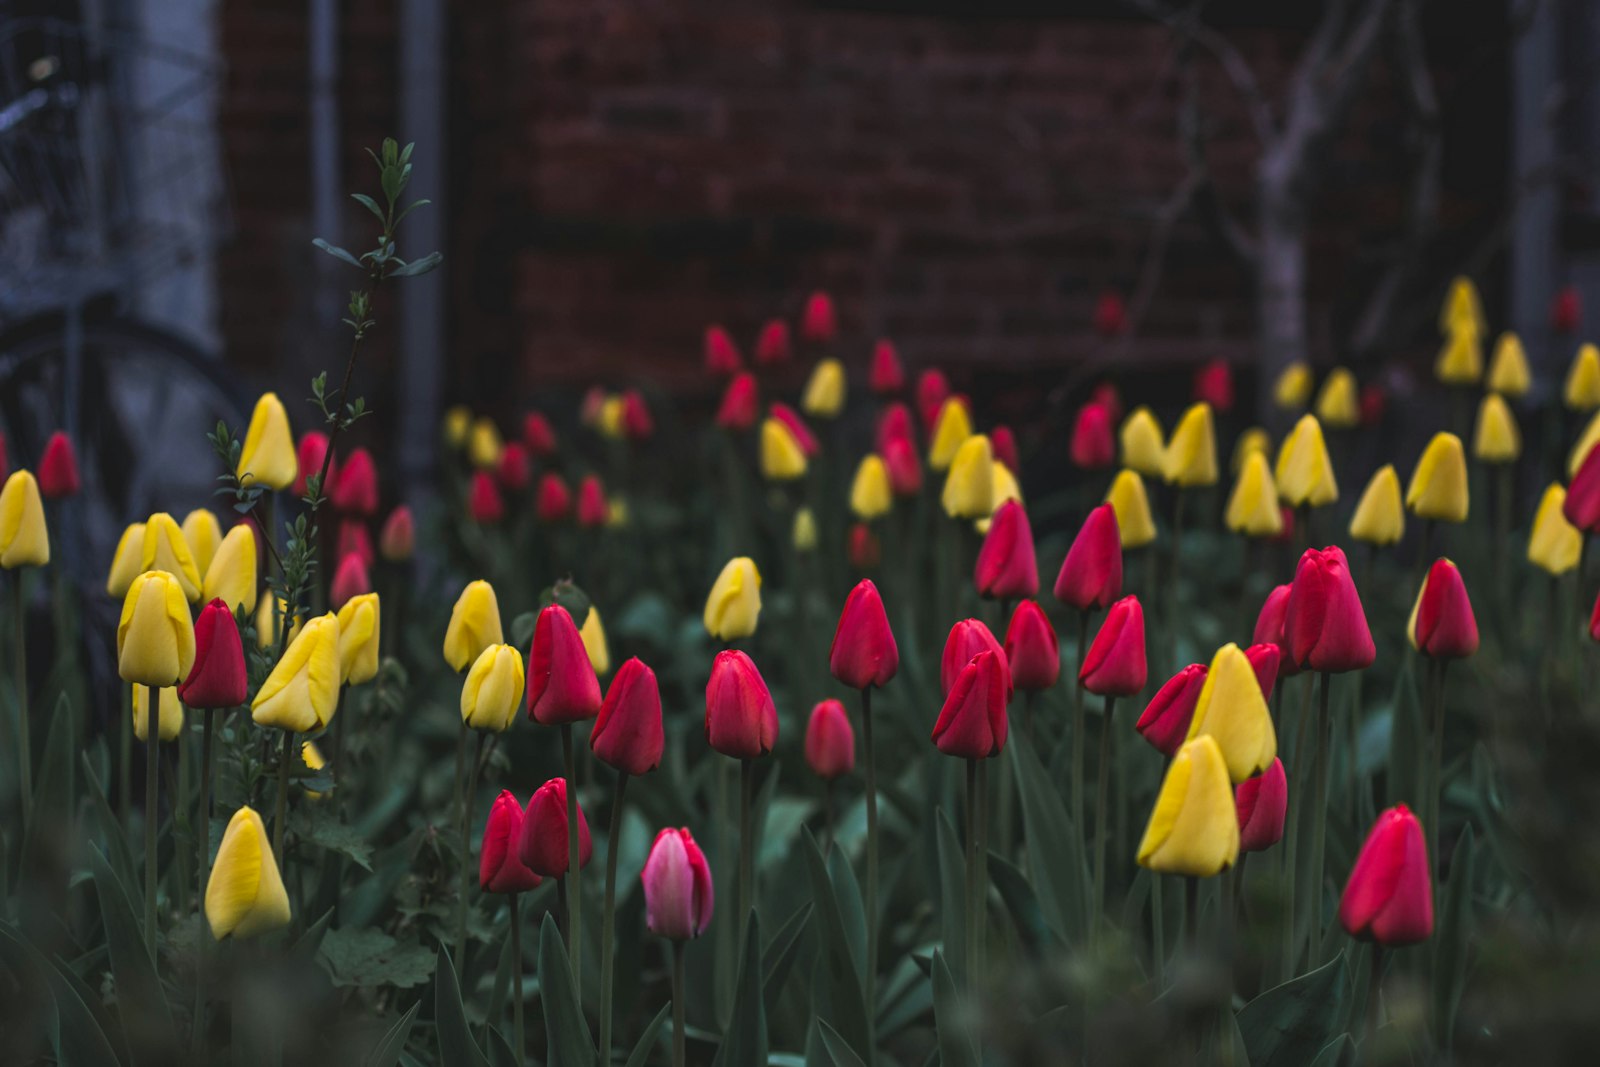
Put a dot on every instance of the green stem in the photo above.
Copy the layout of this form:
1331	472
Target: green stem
972	874
180	794
281	808
679	1042
827	817
1158	931
125	756
202	835
980	909
152	771
608	918
19	645
1102	812
1319	820
1078	726
1374	1000
1297	787
872	842
747	844
575	895
516	961
1435	787
465	889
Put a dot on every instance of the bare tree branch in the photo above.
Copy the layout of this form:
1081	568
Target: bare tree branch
1187	24
1203	190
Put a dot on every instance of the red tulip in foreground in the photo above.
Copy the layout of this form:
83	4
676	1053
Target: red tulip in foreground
678	895
741	720
1389	897
58	468
1093	446
1324	624
1263	802
1115	662
218	678
562	687
740	405
864	652
1032	652
543	847
1165	722
485	504
628	732
1007	568
721	354
354	490
554	501
1269	628
500	866
398	538
1091	575
1442	624
972	723
887	376
309	454
830	742
349	581
967	639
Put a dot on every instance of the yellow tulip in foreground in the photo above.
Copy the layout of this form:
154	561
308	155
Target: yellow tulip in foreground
155	636
1253	505
1293	387
804	533
169	713
360	624
484	446
869	492
593	633
1495	438
1194	829
1438	488
231	577
969	484
203	534
302	692
734	605
1508	367
474	625
166	549
245	895
1191	458
1305	472
1554	544
1131	504
24	538
825	389
1460	360
1337	405
268	456
782	458
1582	389
1380	517
950	429
125	560
1232	710
1140	439
492	693
1255	439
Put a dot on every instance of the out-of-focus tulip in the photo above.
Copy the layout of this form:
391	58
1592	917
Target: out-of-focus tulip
1109	397
887	375
740	405
1586	442
1253	440
1253	505
1293	388
1003	443
398	538
155	636
1007	568
1194	828
864	652
894	422
457	425
554	500
1264	657
309	454
863	548
483	447
1270	623
231	578
1554	544
741	720
1374	402
474	625
933	389
202	533
803	533
1495	438
58	468
1262	803
268	455
562	686
637	422
360	629
721	354
1304	471
166	549
1336	404
1232	709
1380	517
302	692
830	742
1442	623
1389	897
972	723
1005	489
1033	654
1092	447
169	714
772	343
903	467
1091	575
1460	359
734	604
492	692
500	867
516	468
818	326
589	409
354	538
824	393
245	895
593	632
1136	527
538	436
869	491
1462	310
966	640
1110	314
952	429
628	732
1115	662
355	489
1508	367
1165	721
782	459
1191	457
969	483
1324	625
545	847
1582	503
1213	384
485	505
217	677
125	560
1438	488
678	897
1566	310
267	622
592	509
1581	392
350	579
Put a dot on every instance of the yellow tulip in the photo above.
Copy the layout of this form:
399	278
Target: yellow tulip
24	537
493	689
1132	505
231	578
734	603
1005	487
1438	488
1305	472
125	560
1232	710
1143	449
1460	360
155	636
360	624
1380	518
166	550
1293	387
1337	405
302	692
1495	438
950	429
1582	389
203	533
825	390
782	458
969	484
474	625
804	533
1462	311
267	622
593	633
1255	439
869	492
1554	544
1253	505
1580	451
616	512
169	713
245	895
610	418
1191	458
1194	829
268	456
1508	367
484	446
457	425
312	756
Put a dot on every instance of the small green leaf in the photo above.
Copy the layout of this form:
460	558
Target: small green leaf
336	252
1288	1024
418	266
366	956
568	1042
647	1040
386	1053
843	1055
955	1044
138	984
318	826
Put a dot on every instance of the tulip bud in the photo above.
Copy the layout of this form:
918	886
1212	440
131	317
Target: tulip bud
309	454
474	625
1442	624
515	470
887	376
1007	568
966	640
1251	441
1264	658
1462	310
268	455
1293	387
1586	442
202	533
217	678
125	560
1142	446
952	429
969	483
1495	438
1304	471
734	604
1508	367
817	323
1107	396
863	548
1194	828
1115	662
1566	310
1438	488
678	897
1389	897
457	425
483	446
740	405
485	505
155	636
1003	443
933	389
245	895
1581	392
58	468
1324	624
1213	384
169	714
637	422
1110	314
1191	457
500	867
972	723
1460	359
492	692
1253	505
1554	544
1270	628
349	580
1092	447
803	533
302	692
1033	655
740	718
545	846
1232	709
628	732
772	344
869	491
554	500
903	467
355	489
562	687
1091	575
592	509
1165	721
593	632
782	459
864	652
354	539
360	624
791	420
1006	490
166	549
1380	518
1337	406
824	393
721	354
589	409
1262	803
1136	527
1374	402
830	742
398	538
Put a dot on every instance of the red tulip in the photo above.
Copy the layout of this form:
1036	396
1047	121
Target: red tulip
933	389
398	538
972	723
1262	802
1443	625
544	846
969	638
218	678
1094	446
1003	443
354	490
772	345
905	467
1389	897
796	425
740	719
817	323
1269	628
353	537
637	422
1264	659
887	376
1110	314
538	435
1007	568
1372	403
1107	396
350	580
1091	575
562	686
830	742
592	508
863	549
627	733
721	354
1323	621
864	652
516	466
58	468
485	504
1165	722
592	404
309	454
1582	506
1213	384
740	405
1566	310
895	423
1032	652
1115	664
678	895
554	500
500	867
1286	530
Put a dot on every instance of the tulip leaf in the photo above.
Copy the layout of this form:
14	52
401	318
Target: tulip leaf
847	891
139	990
1405	737
746	1039
837	975
500	1052
1053	846
955	1044
76	1037
365	956
952	894
647	1040
1450	944
778	958
115	838
386	1053
838	1048
450	1018
568	1042
1288	1024
1340	1052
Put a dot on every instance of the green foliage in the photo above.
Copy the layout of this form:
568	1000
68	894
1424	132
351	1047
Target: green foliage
367	957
